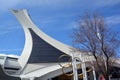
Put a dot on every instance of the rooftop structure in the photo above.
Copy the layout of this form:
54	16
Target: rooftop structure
40	54
39	59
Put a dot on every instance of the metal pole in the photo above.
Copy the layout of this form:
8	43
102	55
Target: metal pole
94	74
84	71
83	68
75	75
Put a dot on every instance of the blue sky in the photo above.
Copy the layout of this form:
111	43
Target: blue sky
57	18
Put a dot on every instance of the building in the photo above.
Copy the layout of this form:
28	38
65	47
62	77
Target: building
39	59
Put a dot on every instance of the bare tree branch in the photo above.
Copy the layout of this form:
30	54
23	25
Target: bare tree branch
93	35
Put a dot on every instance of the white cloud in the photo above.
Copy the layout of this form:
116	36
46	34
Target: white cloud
65	3
4	32
71	3
5	29
113	20
9	50
5	5
47	3
72	25
102	3
2	50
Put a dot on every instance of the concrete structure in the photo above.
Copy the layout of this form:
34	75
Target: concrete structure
36	56
39	59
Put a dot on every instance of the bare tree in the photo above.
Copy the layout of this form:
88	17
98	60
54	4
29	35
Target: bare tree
95	37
